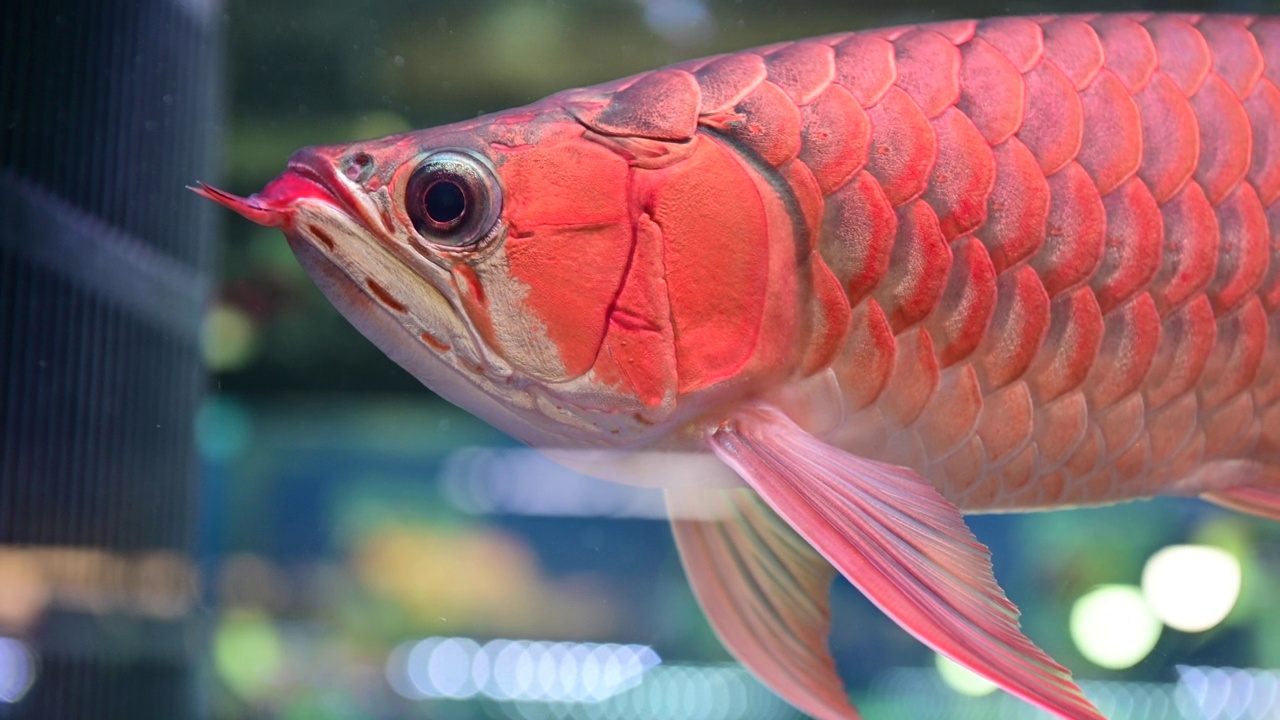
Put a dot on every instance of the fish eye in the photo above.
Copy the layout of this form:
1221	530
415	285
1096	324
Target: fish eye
453	199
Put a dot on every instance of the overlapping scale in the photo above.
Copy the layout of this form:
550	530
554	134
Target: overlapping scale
1078	212
1070	223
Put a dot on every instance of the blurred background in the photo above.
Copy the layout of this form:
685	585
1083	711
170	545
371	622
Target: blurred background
217	500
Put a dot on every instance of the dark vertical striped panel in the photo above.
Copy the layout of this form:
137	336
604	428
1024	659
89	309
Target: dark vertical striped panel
108	108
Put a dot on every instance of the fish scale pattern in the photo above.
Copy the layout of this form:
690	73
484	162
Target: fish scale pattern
1056	235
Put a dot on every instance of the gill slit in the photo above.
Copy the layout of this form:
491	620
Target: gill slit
772	176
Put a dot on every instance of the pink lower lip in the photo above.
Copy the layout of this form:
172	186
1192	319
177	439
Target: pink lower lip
247	207
275	204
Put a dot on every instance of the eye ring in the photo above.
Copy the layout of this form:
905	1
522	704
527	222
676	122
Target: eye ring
453	199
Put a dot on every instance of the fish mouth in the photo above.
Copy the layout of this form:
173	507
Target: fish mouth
277	203
310	166
306	178
251	208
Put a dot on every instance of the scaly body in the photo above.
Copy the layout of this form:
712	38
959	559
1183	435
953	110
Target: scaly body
833	292
1055	236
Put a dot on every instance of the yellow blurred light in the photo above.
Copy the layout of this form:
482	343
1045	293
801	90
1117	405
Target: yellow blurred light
1113	627
227	340
962	679
1191	588
92	580
465	579
247	653
24	590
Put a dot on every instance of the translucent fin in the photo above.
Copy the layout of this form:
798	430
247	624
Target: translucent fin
904	546
765	591
1260	501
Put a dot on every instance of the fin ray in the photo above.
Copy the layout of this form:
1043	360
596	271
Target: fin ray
903	545
1260	501
765	592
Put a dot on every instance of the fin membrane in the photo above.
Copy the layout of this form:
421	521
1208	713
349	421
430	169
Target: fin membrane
765	591
903	545
1260	501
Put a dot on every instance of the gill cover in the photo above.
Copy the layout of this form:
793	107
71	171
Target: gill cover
657	259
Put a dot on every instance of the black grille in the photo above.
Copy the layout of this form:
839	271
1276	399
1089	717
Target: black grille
108	108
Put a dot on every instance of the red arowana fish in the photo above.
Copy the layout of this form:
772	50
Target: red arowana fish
834	293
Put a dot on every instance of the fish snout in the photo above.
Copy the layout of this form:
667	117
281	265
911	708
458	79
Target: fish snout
251	208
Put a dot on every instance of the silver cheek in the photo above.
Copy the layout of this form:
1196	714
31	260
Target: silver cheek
341	277
406	291
406	307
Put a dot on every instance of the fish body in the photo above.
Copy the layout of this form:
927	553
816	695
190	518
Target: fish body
833	293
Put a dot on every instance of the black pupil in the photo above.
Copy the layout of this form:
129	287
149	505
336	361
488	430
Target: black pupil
445	202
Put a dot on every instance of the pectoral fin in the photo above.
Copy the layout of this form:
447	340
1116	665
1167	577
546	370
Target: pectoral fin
765	591
1252	499
903	545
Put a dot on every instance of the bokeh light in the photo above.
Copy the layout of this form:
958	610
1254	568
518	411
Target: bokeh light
1191	588
1214	692
962	679
228	339
536	680
1113	627
17	670
24	589
36	579
247	653
516	670
680	22
222	428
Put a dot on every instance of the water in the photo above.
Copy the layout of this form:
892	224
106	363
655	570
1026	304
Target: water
218	500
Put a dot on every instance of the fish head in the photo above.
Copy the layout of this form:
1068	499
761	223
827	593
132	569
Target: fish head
436	245
570	282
